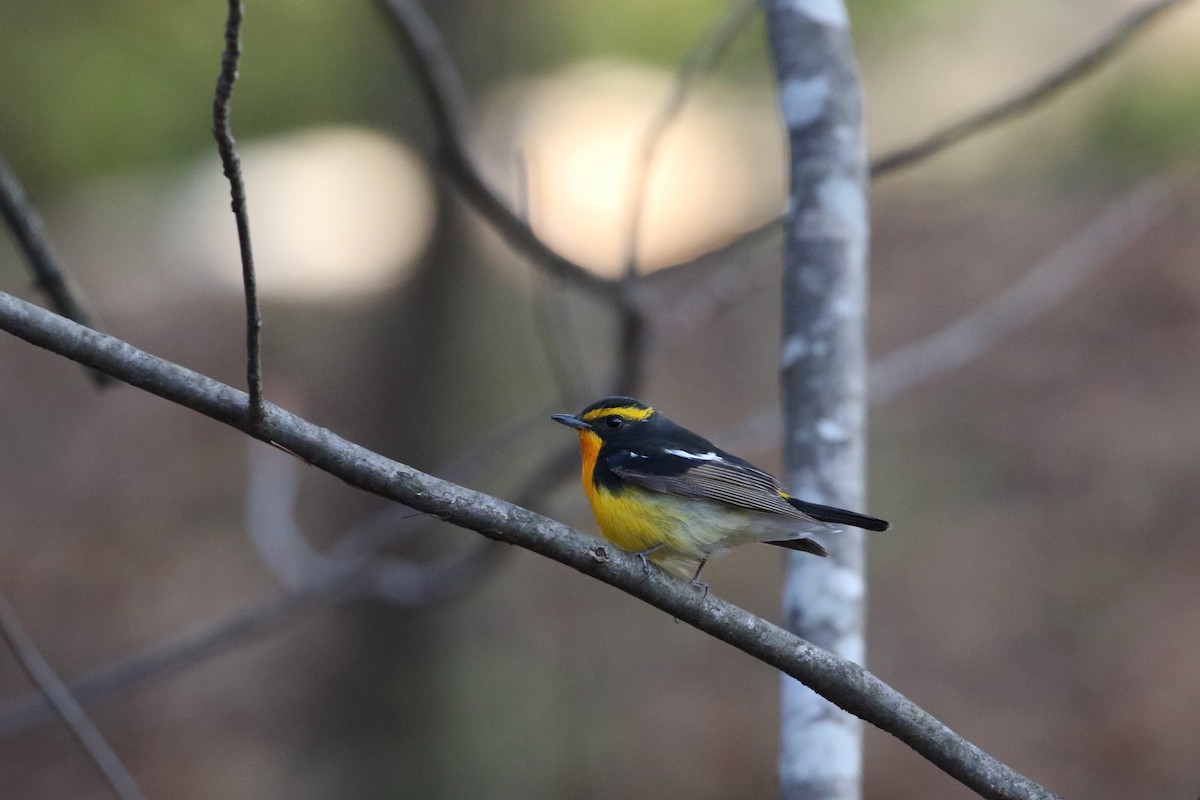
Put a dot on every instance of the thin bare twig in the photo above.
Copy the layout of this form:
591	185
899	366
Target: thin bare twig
446	98
1042	90
272	487
715	42
65	705
709	295
232	165
632	323
1043	287
631	339
48	275
730	251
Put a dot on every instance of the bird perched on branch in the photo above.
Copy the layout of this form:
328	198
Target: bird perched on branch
671	496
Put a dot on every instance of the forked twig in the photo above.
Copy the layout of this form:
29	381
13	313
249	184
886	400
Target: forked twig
633	336
446	99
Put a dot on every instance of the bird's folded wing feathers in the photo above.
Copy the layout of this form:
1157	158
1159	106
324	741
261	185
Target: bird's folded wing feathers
709	476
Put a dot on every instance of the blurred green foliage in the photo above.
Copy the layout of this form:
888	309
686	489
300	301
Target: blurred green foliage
95	87
1146	122
91	88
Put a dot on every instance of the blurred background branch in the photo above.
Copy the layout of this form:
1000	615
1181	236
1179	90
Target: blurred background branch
446	100
354	568
1044	89
48	275
59	698
954	346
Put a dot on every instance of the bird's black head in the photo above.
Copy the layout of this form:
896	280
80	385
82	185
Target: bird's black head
612	418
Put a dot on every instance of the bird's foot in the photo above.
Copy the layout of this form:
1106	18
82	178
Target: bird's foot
643	557
696	579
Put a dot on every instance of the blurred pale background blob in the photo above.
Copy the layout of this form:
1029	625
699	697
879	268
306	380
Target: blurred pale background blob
581	131
335	213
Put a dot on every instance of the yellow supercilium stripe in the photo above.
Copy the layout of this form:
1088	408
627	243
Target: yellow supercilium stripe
625	412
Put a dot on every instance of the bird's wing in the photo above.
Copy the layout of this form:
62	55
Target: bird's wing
709	475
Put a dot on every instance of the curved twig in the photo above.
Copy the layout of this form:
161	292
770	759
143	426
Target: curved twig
352	574
446	99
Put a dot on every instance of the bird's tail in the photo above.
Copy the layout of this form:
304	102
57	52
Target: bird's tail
804	545
839	516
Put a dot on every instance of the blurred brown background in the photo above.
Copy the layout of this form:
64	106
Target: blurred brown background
1037	593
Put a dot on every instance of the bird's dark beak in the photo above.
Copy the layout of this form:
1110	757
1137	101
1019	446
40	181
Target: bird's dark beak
572	421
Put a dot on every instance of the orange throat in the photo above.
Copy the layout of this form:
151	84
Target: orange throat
589	447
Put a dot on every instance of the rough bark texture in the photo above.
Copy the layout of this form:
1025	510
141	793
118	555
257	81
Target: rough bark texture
823	368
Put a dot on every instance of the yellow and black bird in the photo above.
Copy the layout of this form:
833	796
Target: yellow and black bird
670	495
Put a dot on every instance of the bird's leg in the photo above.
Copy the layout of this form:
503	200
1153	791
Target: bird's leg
646	561
696	578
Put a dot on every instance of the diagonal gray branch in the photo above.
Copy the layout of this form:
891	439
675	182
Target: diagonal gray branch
842	682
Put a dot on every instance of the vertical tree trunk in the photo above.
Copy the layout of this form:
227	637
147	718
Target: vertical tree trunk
823	367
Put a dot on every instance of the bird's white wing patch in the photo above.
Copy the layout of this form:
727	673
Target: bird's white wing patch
694	456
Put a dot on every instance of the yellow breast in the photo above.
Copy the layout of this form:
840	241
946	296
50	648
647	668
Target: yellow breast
637	520
633	520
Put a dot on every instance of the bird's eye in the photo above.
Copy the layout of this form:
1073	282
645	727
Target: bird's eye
614	421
